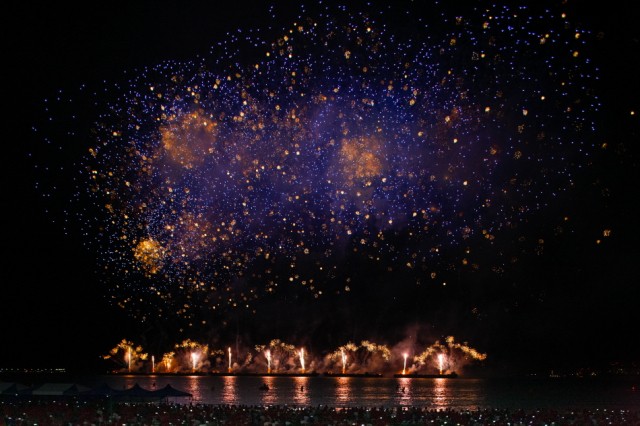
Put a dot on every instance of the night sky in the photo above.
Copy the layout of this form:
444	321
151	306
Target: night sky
557	292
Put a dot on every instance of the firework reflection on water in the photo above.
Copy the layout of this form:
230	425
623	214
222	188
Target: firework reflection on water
439	393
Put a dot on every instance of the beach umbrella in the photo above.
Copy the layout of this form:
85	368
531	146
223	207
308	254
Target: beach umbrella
104	390
136	391
53	389
14	389
170	391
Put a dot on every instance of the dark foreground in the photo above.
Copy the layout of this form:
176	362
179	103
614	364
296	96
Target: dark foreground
70	412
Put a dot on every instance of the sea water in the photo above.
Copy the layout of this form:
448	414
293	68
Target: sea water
439	393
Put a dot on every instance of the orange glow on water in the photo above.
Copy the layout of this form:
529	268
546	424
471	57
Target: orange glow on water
344	389
229	392
270	396
301	395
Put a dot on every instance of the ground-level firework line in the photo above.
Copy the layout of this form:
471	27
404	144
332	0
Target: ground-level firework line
282	358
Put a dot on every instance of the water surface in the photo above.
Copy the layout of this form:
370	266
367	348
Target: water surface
387	392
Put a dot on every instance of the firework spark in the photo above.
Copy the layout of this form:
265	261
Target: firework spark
126	355
167	359
446	354
302	360
361	355
190	353
225	180
278	354
404	368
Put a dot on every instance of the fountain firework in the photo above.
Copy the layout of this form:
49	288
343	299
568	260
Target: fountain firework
361	355
284	359
189	352
404	368
126	355
166	361
279	355
451	354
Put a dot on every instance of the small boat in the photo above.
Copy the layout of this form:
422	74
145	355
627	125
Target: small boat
264	387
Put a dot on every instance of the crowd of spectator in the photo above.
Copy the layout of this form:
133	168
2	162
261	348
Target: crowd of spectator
71	412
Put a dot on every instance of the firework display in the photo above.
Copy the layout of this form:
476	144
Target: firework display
126	355
337	151
277	354
352	357
449	355
280	358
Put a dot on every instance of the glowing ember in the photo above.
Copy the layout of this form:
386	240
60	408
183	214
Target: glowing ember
206	172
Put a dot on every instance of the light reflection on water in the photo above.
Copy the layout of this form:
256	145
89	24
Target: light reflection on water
343	391
302	396
269	397
230	393
436	393
441	392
